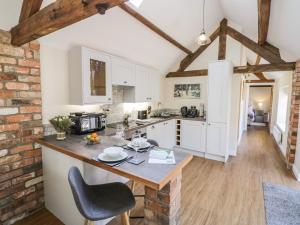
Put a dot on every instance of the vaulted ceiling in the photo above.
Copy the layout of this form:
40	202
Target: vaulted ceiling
119	33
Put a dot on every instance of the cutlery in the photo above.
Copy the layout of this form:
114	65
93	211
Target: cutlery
121	163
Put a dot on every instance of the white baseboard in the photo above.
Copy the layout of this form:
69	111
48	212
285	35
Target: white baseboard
296	172
216	157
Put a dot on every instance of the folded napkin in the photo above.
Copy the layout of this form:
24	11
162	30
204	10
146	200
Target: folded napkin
161	157
155	154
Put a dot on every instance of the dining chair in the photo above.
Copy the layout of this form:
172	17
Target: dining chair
99	202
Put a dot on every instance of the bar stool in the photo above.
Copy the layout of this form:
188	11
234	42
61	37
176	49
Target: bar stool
152	142
99	202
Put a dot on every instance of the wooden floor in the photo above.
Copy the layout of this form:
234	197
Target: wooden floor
218	194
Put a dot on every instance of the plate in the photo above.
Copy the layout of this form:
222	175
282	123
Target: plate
147	145
104	158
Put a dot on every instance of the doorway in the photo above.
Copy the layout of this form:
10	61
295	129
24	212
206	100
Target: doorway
259	105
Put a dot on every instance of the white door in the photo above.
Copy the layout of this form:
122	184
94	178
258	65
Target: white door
217	140
123	72
97	81
142	84
191	134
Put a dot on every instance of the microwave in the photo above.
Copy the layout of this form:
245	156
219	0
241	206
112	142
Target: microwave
84	123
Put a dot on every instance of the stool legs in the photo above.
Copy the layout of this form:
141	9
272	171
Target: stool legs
125	219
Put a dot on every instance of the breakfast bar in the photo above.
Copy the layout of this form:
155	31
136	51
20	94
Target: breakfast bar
162	182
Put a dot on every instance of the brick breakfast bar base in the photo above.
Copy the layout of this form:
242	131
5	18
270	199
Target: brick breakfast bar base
21	174
163	207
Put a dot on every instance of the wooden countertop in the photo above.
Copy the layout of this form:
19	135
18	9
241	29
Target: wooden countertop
155	176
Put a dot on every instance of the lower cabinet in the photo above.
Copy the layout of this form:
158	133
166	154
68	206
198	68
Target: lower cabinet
217	140
163	133
193	135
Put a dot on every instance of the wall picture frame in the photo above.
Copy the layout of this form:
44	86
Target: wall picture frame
187	91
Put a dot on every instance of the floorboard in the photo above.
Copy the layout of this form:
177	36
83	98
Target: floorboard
218	194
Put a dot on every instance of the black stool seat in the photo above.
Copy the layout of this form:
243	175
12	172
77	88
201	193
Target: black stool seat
98	202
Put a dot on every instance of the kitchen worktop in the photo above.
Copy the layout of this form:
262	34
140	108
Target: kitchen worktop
155	176
153	120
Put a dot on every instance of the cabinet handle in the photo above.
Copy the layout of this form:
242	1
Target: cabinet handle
125	82
109	99
153	127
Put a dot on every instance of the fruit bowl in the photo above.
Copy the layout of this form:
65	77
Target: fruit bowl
92	139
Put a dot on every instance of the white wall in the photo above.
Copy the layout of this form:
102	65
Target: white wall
55	84
284	80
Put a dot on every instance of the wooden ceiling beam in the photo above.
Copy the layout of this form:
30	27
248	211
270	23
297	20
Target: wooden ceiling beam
258	49
191	57
264	9
240	69
153	27
259	81
55	16
222	39
259	75
29	7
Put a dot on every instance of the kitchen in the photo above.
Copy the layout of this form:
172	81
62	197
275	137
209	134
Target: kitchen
127	108
108	109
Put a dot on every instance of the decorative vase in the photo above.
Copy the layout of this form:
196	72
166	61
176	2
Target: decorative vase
61	136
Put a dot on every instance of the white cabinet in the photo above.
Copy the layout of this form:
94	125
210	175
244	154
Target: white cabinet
90	77
123	72
217	139
193	135
147	85
218	114
163	133
219	88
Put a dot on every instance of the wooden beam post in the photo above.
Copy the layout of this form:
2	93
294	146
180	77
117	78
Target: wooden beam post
239	69
55	16
29	7
222	39
264	9
258	49
153	27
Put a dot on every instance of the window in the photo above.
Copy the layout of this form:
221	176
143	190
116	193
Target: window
136	3
283	97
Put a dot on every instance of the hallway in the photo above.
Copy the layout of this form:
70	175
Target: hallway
218	194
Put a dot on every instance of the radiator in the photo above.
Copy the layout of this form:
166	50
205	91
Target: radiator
277	135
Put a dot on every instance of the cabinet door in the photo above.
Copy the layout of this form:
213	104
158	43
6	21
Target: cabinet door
156	132
154	86
203	137
142	84
123	72
219	81
97	83
168	133
217	139
190	135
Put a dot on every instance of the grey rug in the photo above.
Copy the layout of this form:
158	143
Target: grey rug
282	205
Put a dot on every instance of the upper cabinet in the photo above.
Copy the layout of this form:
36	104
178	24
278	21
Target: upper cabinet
92	74
123	72
147	85
90	77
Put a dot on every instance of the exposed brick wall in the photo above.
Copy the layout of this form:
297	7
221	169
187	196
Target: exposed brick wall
21	186
294	116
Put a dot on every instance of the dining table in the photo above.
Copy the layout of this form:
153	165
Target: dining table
162	182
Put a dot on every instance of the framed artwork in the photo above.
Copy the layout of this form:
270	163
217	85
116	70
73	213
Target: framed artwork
187	91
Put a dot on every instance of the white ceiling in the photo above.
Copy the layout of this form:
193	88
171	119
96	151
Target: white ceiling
119	33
